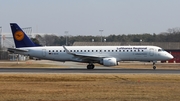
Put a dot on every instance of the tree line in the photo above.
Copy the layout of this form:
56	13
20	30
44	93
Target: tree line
172	35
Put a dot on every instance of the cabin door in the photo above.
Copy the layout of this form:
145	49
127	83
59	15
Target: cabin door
151	52
44	52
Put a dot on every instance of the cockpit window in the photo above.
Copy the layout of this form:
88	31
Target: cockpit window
159	50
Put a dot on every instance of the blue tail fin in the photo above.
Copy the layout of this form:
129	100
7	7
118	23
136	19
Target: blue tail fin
20	38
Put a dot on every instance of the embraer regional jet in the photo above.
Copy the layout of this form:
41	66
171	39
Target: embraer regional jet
104	55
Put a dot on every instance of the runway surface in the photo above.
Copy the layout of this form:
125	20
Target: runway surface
73	67
84	70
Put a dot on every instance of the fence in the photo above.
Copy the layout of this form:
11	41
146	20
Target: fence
4	55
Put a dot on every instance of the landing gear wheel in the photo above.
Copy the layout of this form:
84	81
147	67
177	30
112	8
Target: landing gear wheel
154	67
90	66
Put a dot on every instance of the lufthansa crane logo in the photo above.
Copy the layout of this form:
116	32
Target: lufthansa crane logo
19	35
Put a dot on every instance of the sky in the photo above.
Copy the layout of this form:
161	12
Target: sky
87	17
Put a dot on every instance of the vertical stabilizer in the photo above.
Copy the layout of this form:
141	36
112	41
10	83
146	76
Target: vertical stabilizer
20	38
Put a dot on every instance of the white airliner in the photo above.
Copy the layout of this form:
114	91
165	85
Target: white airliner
104	55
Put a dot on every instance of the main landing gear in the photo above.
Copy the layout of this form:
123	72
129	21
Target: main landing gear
154	66
90	66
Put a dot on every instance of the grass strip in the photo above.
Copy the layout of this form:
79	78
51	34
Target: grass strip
89	87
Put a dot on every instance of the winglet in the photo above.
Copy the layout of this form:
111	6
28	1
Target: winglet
20	38
67	51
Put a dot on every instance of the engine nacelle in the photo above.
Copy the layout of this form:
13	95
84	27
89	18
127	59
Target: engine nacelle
109	62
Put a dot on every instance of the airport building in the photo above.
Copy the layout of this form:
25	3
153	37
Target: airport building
6	41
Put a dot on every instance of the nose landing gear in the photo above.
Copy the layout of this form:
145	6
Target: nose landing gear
154	66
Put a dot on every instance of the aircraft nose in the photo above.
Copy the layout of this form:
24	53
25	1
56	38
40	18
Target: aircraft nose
169	56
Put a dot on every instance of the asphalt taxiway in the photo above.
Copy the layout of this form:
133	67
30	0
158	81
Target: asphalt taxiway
84	70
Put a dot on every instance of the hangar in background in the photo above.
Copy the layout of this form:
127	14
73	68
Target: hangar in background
171	47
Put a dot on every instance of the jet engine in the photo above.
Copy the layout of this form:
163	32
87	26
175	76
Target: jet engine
109	62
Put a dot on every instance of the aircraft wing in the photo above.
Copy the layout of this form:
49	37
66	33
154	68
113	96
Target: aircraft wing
84	56
13	50
87	57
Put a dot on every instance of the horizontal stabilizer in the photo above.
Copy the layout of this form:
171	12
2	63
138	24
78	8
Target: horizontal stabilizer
14	50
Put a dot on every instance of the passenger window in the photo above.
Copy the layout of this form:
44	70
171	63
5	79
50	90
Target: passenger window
64	50
81	50
77	50
74	50
53	51
127	50
112	50
49	50
88	50
84	50
92	50
59	50
108	50
56	50
104	50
